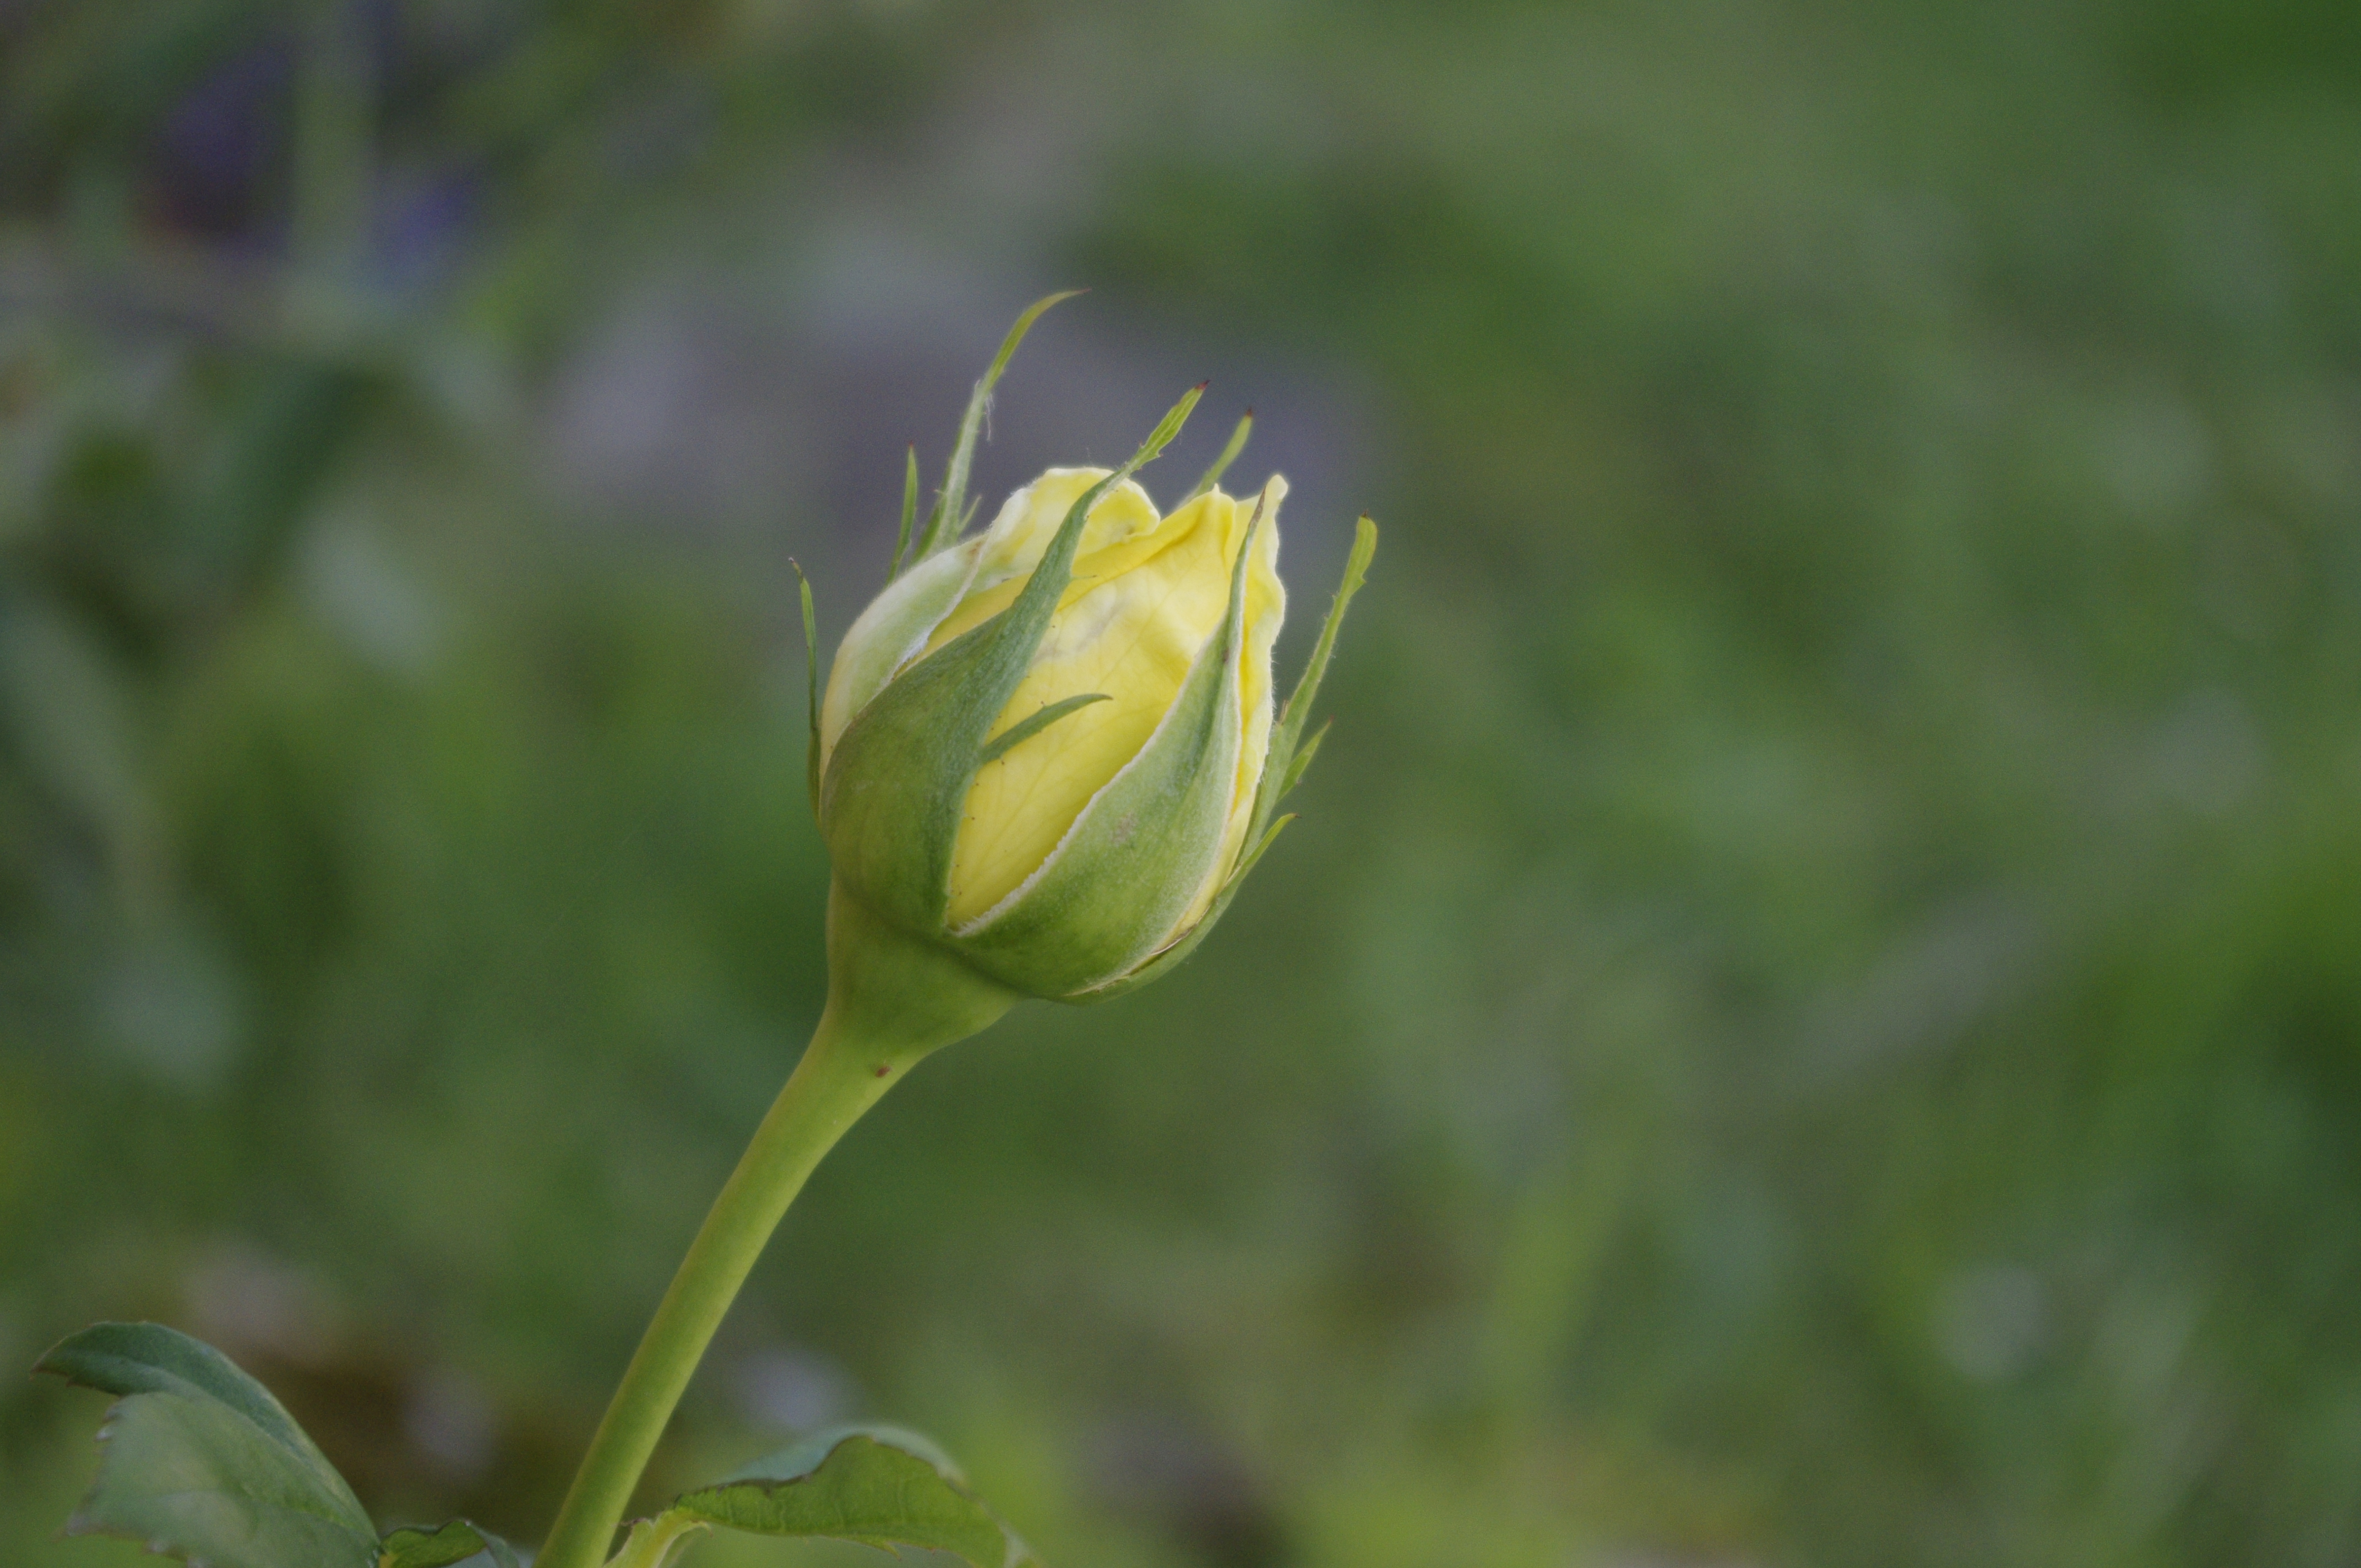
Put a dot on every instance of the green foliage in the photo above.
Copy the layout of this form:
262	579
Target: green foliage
202	1463
877	1486
452	1544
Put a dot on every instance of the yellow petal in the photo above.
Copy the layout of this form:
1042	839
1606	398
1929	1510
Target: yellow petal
1020	535
1266	608
889	633
1142	604
957	588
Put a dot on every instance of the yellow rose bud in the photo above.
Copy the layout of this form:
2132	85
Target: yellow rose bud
1145	596
1048	752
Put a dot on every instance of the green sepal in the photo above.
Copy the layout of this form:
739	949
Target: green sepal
1283	766
1024	730
897	780
1221	465
1247	862
1302	762
455	1543
1281	763
811	686
909	509
1172	958
900	994
889	633
877	1486
1125	873
201	1462
951	512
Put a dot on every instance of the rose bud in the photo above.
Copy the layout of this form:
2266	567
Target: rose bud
1048	750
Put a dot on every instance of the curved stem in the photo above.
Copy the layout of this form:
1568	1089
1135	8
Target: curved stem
891	1001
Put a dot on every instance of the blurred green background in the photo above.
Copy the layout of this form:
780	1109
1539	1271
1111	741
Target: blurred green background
1813	1015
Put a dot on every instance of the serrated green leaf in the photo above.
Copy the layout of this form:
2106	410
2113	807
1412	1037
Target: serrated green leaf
877	1486
457	1541
201	1462
660	1541
150	1358
410	1548
195	1481
911	752
951	512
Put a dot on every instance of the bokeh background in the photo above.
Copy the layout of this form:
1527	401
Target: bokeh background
1814	1014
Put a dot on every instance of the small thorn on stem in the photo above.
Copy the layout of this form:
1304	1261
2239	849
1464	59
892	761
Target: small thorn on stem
882	1069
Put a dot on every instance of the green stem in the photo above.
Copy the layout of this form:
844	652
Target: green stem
891	1001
